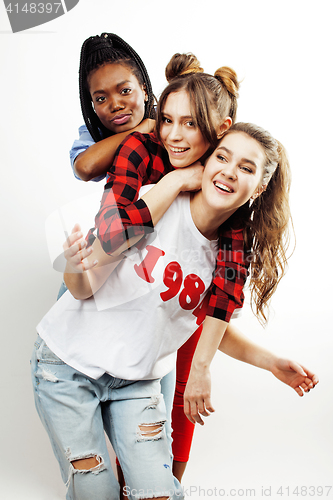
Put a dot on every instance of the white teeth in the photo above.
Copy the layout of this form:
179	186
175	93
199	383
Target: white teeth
178	150
223	187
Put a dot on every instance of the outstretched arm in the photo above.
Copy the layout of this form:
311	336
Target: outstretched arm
97	159
236	345
227	338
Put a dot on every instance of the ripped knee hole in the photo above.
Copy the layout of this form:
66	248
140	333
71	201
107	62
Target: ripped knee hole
86	463
151	430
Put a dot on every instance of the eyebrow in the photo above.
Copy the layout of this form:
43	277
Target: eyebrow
246	160
120	84
188	117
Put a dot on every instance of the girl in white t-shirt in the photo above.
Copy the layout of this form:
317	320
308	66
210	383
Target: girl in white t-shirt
98	362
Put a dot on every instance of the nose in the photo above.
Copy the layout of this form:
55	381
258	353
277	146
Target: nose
229	171
175	132
116	104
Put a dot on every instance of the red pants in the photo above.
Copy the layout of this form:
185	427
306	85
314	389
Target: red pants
183	429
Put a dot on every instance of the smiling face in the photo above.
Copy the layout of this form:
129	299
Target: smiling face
233	174
181	138
118	98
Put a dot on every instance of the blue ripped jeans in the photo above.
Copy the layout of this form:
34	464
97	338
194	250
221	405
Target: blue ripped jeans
76	410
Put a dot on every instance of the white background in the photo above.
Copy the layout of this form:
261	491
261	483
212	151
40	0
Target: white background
262	434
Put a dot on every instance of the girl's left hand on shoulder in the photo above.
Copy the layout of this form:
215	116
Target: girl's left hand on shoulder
295	375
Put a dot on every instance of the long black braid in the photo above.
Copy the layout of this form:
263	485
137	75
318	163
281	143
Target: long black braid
96	51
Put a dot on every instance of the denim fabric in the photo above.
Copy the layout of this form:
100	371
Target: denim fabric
63	288
76	410
168	384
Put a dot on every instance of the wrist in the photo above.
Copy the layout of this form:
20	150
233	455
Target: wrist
269	361
200	364
178	179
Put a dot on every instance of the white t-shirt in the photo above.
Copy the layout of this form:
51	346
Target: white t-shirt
148	307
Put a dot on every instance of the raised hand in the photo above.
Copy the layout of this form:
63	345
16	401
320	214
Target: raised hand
76	253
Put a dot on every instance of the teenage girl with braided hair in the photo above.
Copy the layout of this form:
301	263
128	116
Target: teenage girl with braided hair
116	354
116	99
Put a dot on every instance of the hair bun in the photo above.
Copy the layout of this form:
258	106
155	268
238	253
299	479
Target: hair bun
182	64
228	78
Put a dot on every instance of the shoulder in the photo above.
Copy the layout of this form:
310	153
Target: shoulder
83	128
137	139
137	146
84	134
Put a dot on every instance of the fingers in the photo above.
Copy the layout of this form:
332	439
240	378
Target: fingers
306	386
307	380
299	391
313	377
75	236
76	253
194	409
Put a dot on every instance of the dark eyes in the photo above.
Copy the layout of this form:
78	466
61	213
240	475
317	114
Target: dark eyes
221	158
100	99
168	121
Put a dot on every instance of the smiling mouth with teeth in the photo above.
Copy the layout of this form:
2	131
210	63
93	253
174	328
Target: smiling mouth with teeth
178	150
223	187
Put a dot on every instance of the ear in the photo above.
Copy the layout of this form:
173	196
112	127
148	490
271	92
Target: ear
259	191
225	125
144	89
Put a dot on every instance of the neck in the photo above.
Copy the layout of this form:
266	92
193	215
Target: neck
206	219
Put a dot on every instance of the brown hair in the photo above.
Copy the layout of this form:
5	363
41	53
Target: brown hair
210	96
267	221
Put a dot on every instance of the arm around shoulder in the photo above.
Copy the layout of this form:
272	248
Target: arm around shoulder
97	159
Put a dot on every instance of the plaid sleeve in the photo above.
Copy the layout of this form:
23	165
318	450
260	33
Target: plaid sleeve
230	275
121	214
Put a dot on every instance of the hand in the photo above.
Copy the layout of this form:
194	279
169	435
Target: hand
146	126
191	176
76	253
295	375
197	396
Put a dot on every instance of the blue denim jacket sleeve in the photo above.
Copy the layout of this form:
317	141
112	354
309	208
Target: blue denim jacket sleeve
79	145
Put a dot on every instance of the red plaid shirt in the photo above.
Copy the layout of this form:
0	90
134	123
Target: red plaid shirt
140	160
